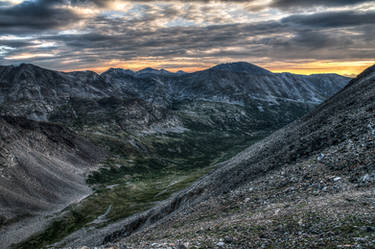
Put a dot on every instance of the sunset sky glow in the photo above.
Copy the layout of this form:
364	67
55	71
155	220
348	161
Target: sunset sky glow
299	36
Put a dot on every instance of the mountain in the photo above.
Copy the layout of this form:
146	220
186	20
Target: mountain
33	92
234	97
42	168
241	67
180	72
236	83
151	72
119	71
258	95
146	72
308	185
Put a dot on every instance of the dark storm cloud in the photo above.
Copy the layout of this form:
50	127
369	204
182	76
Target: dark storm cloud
332	19
283	40
182	37
15	43
195	42
31	16
290	4
282	4
103	37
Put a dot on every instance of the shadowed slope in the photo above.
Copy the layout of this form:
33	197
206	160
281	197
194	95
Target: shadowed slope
42	166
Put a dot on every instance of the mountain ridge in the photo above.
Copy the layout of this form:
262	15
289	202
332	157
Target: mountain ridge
243	67
216	67
46	89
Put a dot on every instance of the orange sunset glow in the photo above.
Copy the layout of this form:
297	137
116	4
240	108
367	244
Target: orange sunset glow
349	69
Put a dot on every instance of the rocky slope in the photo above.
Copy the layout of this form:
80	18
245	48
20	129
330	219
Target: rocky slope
30	91
41	166
308	185
129	115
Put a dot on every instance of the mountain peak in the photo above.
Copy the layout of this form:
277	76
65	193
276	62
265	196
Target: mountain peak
119	70
164	71
148	70
367	72
244	67
181	72
27	66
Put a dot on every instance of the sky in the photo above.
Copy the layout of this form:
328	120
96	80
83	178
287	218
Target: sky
299	36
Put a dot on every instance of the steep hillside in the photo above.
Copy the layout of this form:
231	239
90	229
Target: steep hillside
42	168
42	165
308	185
114	115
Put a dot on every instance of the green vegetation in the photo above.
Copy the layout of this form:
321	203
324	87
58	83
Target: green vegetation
145	168
132	180
128	198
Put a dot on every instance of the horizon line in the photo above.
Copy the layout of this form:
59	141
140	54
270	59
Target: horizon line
100	70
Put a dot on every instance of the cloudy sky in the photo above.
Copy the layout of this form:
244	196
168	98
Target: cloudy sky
301	36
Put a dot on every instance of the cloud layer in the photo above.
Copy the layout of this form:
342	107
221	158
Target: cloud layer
279	34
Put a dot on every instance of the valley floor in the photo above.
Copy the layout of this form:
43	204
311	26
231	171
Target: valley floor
130	183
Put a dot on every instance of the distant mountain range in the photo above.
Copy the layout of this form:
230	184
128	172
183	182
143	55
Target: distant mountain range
143	73
232	82
35	92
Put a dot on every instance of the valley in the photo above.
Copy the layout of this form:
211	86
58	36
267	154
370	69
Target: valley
158	133
307	185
